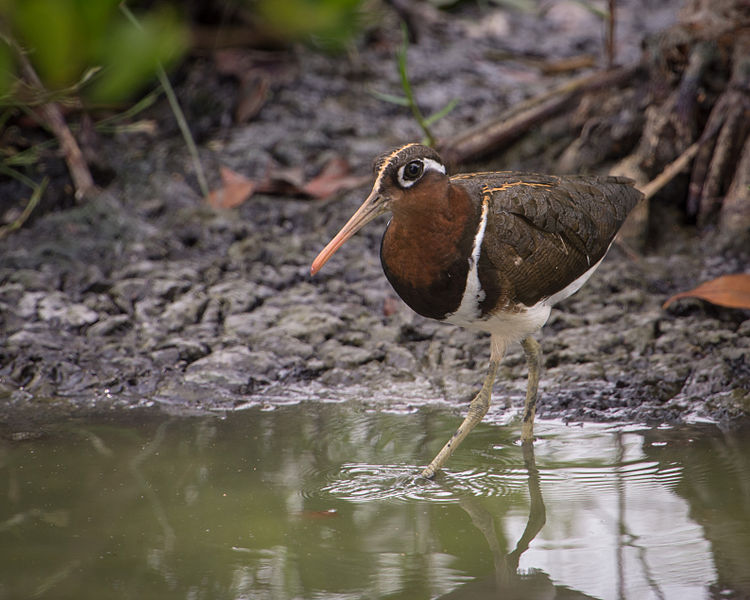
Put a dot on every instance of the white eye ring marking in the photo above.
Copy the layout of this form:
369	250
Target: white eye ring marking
428	164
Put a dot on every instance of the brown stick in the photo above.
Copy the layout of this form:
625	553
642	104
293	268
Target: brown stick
53	117
514	122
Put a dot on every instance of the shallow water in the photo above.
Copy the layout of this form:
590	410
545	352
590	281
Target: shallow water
324	501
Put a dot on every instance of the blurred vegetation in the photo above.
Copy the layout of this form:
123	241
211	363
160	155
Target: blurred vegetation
78	53
75	42
328	24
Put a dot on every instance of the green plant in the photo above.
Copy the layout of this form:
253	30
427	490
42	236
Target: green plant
84	47
79	52
328	24
408	99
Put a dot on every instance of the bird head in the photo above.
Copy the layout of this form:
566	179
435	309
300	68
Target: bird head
400	178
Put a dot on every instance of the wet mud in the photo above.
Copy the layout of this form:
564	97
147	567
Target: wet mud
146	297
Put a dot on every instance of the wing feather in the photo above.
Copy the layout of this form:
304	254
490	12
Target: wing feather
544	232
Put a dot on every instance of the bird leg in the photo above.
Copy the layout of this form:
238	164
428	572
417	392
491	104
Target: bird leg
477	409
533	351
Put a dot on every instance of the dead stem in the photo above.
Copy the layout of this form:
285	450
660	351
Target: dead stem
53	118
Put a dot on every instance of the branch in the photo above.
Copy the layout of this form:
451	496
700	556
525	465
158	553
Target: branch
53	118
485	137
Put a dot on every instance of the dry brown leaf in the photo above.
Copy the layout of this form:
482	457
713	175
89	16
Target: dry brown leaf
319	514
233	62
283	181
234	191
728	290
334	177
252	96
256	72
390	306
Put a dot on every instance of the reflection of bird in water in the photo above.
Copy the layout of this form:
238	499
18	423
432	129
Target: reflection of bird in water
507	583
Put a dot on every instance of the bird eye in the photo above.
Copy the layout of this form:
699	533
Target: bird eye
413	170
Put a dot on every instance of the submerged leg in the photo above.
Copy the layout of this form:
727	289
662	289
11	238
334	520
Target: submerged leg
477	409
534	359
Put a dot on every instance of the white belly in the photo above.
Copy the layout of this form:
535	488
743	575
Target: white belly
515	324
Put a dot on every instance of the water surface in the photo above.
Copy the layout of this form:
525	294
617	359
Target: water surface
324	501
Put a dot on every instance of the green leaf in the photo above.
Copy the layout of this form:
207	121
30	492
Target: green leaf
594	10
49	31
526	6
6	66
132	55
392	98
442	112
329	24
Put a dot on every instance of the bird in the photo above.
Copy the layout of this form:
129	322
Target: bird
488	251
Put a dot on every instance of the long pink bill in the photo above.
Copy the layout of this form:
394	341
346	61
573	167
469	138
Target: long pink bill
372	207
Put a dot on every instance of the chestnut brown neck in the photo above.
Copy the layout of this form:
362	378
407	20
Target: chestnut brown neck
426	247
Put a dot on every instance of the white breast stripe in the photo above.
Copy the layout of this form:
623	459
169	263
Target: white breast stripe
468	311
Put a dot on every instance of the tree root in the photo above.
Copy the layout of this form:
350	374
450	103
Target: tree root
713	173
684	130
513	123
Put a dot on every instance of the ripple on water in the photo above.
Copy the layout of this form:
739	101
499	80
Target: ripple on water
583	481
357	482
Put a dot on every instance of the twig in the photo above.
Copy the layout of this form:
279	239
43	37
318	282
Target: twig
28	209
177	111
485	137
53	118
671	170
185	129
